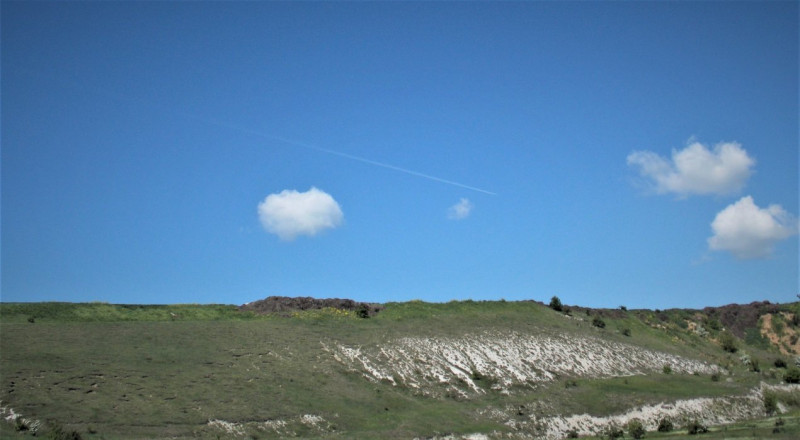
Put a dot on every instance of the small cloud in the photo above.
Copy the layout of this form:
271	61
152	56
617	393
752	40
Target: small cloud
290	213
696	169
747	231
460	210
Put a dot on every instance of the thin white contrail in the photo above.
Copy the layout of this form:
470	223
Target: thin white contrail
130	99
341	154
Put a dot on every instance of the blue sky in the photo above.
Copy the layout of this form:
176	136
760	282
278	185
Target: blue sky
610	153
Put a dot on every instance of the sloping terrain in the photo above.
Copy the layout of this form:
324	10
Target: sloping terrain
504	360
403	370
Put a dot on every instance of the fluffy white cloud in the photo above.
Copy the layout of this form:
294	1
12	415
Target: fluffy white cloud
460	210
748	231
290	213
696	169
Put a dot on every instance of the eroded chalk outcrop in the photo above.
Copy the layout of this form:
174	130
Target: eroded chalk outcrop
500	361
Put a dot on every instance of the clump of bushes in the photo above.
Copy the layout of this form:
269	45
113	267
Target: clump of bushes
728	342
778	426
626	331
665	425
58	432
695	427
792	375
667	369
636	429
614	432
770	403
598	322
780	363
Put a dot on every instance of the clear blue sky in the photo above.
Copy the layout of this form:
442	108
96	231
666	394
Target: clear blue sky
636	153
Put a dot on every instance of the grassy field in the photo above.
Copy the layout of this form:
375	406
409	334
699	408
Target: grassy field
183	371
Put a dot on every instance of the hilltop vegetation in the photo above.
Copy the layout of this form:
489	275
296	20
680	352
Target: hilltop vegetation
404	370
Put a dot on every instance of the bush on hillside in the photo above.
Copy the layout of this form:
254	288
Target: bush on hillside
792	375
636	429
665	425
770	403
614	432
695	427
556	305
780	363
599	323
728	342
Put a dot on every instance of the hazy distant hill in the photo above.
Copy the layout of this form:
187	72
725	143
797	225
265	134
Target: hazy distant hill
300	367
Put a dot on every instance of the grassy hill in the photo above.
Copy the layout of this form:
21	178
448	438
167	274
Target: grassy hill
412	370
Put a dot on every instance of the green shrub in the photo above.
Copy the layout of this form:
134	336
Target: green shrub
555	304
780	363
626	332
695	427
599	323
636	429
21	425
792	375
777	324
614	431
667	369
714	377
572	433
770	403
728	342
58	432
665	425
754	367
752	336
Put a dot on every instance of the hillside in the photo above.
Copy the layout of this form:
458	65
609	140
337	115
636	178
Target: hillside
306	368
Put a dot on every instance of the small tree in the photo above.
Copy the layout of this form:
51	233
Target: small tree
556	305
728	342
792	375
665	425
770	403
695	427
636	429
613	432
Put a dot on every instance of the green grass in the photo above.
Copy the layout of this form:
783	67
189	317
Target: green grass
137	371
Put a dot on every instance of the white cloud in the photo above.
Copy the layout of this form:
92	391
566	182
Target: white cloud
696	169
291	213
460	210
748	231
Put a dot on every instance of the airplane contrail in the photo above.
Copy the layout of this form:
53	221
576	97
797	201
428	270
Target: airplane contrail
131	99
341	154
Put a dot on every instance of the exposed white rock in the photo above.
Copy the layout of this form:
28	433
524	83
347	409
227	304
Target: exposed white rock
502	360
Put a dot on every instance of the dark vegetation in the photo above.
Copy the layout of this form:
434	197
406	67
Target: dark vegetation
285	305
